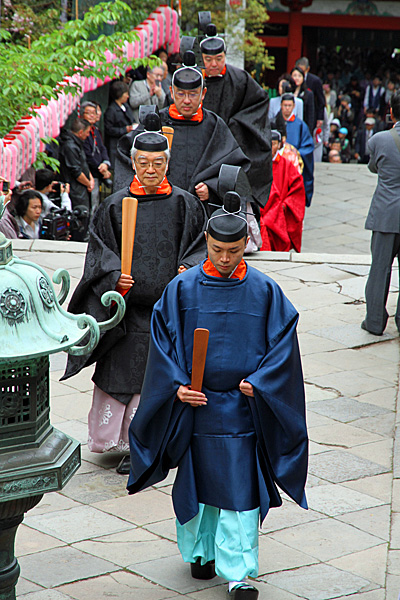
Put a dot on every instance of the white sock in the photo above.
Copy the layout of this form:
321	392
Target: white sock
233	583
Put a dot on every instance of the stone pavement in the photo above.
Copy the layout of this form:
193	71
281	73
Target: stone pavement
93	541
337	214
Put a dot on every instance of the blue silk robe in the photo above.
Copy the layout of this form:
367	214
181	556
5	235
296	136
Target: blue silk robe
232	452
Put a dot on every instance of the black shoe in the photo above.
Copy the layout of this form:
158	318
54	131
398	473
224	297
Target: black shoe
243	591
200	571
125	465
363	326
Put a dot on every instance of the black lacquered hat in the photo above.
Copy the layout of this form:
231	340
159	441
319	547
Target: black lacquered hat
228	224
212	43
151	139
188	77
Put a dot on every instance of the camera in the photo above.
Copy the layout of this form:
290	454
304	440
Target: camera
6	187
59	223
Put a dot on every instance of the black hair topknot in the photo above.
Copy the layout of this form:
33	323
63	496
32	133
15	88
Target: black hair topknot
232	202
189	59
152	122
211	30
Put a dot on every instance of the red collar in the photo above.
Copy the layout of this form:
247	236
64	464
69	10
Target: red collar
197	117
219	75
239	273
292	118
137	189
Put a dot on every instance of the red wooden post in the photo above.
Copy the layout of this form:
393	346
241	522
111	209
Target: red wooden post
295	38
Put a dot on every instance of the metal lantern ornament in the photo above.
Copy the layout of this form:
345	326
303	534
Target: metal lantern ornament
35	458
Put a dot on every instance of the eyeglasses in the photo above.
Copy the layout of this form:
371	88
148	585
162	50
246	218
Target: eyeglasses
158	163
191	95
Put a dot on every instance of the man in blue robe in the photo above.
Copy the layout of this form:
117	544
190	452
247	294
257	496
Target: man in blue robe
299	136
245	432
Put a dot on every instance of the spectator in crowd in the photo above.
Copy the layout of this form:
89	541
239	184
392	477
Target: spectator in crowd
330	100
307	96
355	93
45	181
375	96
96	152
365	132
333	81
390	89
166	83
27	211
334	156
174	61
162	54
370	113
314	84
147	92
384	221
345	147
286	84
98	109
74	168
8	224
336	145
345	113
334	128
118	118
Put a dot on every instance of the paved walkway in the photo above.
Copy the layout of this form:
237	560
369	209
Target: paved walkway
93	541
335	221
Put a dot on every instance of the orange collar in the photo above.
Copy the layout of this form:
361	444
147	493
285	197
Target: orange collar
239	273
277	157
137	189
220	75
292	118
197	117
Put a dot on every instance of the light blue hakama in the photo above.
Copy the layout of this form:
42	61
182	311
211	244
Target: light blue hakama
228	537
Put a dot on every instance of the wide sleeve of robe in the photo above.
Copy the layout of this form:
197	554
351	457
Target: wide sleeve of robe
251	127
278	406
160	433
101	273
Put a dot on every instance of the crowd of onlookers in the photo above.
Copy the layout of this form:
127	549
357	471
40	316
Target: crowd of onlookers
357	87
343	105
86	159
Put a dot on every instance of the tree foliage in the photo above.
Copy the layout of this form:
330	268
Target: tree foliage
35	75
33	18
255	16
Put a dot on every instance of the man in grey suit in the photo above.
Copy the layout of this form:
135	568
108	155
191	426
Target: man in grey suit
384	221
147	92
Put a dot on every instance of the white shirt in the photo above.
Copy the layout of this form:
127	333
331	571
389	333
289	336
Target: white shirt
27	230
48	204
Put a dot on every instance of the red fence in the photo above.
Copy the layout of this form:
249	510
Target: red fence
18	149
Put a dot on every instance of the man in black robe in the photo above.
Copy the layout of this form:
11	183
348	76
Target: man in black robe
202	142
242	103
169	238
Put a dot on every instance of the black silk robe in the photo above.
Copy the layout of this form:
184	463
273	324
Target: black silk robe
198	151
243	105
169	233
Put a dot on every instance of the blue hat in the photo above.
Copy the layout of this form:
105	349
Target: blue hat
344	130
